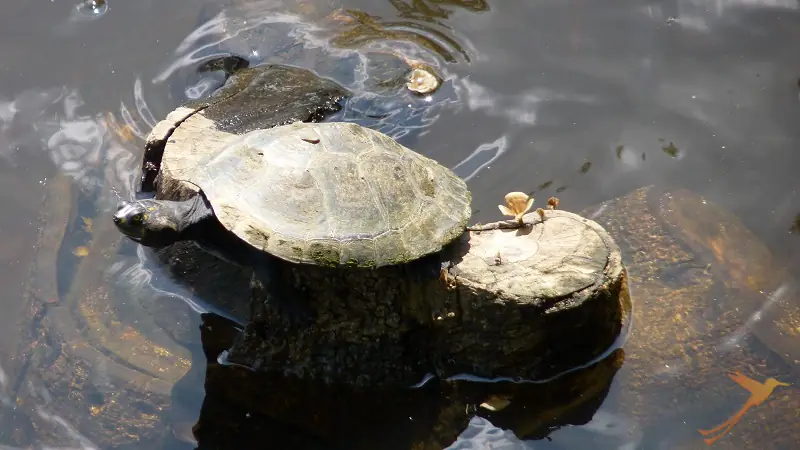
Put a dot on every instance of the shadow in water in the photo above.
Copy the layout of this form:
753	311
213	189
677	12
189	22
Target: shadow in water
242	407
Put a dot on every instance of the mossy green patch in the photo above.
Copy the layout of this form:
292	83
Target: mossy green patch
400	259
324	255
352	262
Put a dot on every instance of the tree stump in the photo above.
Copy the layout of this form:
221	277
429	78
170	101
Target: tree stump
524	302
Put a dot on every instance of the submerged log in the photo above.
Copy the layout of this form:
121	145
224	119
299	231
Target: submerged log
526	302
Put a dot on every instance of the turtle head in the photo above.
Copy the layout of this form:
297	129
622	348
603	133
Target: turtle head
152	223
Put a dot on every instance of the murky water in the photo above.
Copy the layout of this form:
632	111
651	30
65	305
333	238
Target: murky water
100	347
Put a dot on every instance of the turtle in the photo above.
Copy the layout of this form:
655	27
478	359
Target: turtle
109	352
334	194
667	256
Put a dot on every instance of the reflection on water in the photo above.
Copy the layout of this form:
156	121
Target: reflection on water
483	156
83	345
614	430
92	8
536	97
368	30
371	60
436	10
480	433
77	143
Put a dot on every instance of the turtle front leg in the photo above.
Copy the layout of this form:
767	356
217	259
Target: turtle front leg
274	298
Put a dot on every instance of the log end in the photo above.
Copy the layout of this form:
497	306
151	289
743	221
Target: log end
566	256
532	301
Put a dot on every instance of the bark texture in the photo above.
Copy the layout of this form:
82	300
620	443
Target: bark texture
528	302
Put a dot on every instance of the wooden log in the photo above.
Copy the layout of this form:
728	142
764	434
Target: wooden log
526	302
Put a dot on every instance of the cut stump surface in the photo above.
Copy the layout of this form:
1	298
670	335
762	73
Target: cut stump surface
540	262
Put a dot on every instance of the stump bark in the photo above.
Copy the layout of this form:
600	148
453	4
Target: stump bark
527	302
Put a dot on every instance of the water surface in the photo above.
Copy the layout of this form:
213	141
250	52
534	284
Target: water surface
570	98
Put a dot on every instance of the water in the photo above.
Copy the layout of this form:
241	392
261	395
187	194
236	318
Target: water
100	346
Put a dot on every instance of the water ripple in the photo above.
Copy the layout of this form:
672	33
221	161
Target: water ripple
481	434
365	54
60	423
481	158
79	145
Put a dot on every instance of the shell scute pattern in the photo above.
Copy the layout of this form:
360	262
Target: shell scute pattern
334	194
388	179
359	252
350	203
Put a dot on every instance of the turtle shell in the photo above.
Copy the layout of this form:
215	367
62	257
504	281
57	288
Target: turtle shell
332	194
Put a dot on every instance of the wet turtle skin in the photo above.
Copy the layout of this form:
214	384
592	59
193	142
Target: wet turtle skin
697	279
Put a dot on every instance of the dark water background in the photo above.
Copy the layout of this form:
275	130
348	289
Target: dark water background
580	99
